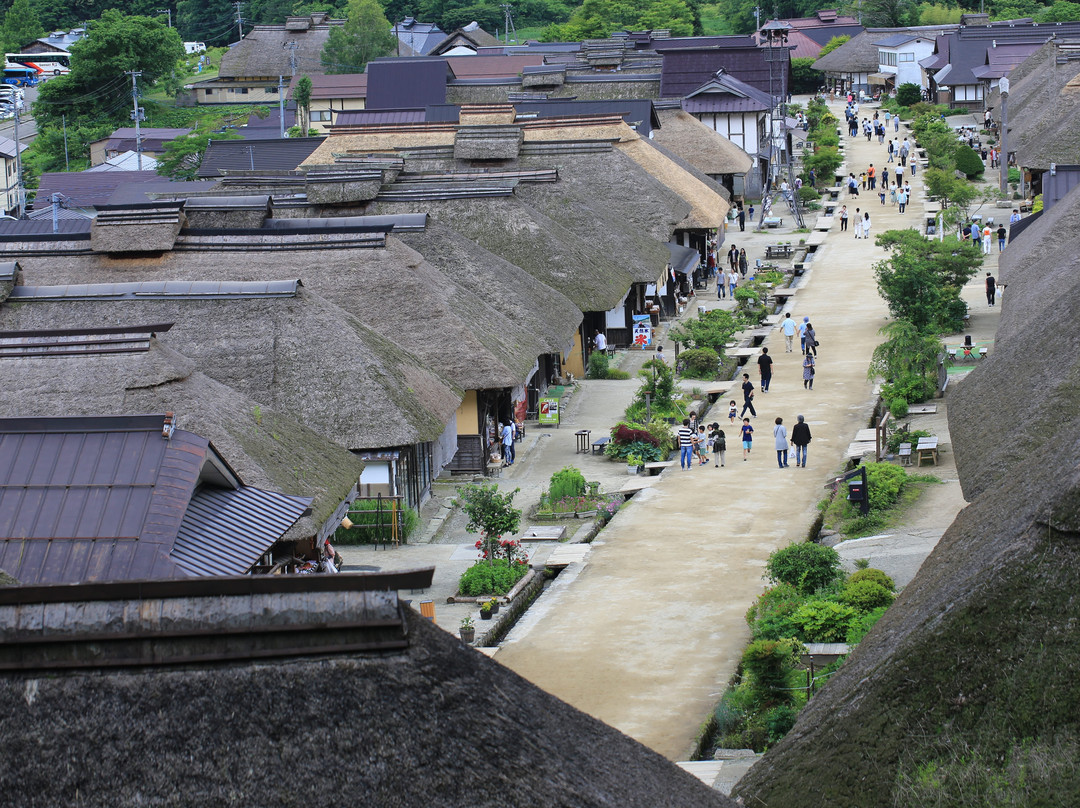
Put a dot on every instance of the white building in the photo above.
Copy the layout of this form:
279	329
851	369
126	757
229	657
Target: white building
898	60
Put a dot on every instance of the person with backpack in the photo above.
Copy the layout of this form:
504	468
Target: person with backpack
719	444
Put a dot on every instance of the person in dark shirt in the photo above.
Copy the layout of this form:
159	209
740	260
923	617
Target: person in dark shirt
765	367
747	437
800	439
747	396
1001	233
991	289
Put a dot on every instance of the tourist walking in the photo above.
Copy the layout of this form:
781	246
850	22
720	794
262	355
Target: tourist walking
733	258
1001	233
742	219
600	341
991	289
719	445
733	412
843	218
808	371
743	263
747	396
780	435
507	435
986	234
800	439
686	445
871	176
866	225
901	199
811	339
747	437
802	334
765	369
788	326
858	223
733	280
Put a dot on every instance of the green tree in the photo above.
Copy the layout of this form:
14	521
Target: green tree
596	19
833	44
885	13
769	663
365	35
491	513
20	27
908	94
184	155
906	351
804	79
921	280
302	96
209	21
938	14
1061	11
712	330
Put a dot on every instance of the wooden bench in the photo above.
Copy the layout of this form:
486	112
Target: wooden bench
905	454
778	250
927	449
599	445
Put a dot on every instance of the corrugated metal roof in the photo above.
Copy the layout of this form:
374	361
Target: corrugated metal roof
406	83
258	155
8	270
42	229
87	189
158	290
377	117
683	259
226	532
400	223
721	102
687	69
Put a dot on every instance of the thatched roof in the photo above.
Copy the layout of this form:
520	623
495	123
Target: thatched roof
967	673
704	148
265	447
1044	102
302	355
708	205
262	53
858	55
427	722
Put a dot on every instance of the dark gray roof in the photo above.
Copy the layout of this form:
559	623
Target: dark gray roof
895	39
683	259
153	140
823	34
399	223
225	532
41	229
8	271
724	92
687	68
158	290
87	189
105	498
418	37
377	117
263	155
406	83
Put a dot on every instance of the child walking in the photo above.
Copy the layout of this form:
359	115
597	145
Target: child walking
733	412
747	437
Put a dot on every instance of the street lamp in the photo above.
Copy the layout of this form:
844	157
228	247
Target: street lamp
1003	162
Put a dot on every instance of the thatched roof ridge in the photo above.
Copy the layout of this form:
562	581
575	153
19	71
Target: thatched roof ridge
303	356
265	447
436	725
708	204
704	148
262	52
1044	103
858	55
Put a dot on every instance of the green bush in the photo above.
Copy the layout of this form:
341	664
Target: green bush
364	516
598	365
768	663
908	94
825	137
861	626
824	620
699	363
968	161
871	574
910	387
1014	175
495	578
884	481
779	721
770	616
567	482
898	406
865	596
804	565
808	194
824	161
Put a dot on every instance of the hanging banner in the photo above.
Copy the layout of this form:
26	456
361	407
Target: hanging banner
549	411
642	334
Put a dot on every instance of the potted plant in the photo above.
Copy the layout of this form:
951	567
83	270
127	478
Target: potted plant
494	602
633	463
467	630
485	610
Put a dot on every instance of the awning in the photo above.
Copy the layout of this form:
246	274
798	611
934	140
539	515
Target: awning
880	78
684	260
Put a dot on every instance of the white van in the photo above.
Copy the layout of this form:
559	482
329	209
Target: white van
194	47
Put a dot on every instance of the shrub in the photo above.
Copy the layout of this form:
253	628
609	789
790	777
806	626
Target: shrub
865	596
908	94
496	578
871	574
898	406
824	161
910	387
768	663
968	162
826	137
770	616
884	481
824	620
598	365
699	363
779	721
900	436
861	626
808	194
805	565
1014	175
567	482
711	330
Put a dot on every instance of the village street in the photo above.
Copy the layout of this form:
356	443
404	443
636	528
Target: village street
645	632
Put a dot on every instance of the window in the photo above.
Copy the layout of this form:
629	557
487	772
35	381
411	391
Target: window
967	92
320	115
272	89
886	58
907	57
208	91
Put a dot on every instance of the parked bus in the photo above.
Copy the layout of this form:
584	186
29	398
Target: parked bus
54	63
20	75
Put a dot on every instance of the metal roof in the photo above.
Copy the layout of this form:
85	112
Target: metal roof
898	39
683	259
87	189
400	223
42	229
158	290
256	155
226	532
406	83
8	271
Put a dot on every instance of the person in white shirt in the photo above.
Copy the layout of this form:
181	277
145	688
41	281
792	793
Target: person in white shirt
600	341
789	331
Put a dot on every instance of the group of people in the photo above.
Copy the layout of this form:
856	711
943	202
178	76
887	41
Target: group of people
696	442
862	222
727	280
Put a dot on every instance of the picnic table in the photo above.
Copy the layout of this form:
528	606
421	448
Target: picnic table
926	450
779	250
772	221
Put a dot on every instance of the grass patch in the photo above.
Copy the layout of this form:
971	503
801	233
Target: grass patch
840	515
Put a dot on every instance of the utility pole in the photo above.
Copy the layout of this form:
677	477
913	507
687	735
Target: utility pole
508	22
63	120
1003	142
166	11
239	19
291	47
137	114
20	192
281	102
251	155
56	213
